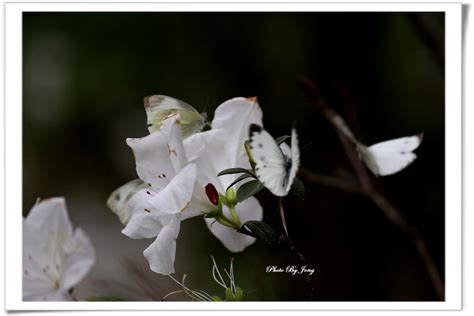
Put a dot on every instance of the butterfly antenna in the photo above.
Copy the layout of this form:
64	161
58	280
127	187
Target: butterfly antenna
306	146
207	123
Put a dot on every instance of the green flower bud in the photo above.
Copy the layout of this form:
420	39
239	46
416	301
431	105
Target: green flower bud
230	195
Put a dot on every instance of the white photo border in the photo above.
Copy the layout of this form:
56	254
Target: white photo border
13	152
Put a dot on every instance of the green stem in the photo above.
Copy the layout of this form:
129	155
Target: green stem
226	221
234	215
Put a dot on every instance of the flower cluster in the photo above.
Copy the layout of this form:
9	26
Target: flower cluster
184	172
175	173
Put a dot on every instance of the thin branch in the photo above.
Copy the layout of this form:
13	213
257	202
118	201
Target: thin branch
335	182
299	256
282	217
369	186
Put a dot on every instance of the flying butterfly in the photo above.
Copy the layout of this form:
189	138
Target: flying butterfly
160	107
387	157
275	166
391	156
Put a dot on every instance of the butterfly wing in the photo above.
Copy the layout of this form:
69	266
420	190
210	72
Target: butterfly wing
119	199
390	156
160	107
269	159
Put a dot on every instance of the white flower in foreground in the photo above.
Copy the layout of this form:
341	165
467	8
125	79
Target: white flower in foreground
55	257
169	168
158	208
226	150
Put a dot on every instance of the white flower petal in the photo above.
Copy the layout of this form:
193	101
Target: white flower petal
145	225
79	262
35	282
49	220
234	118
212	160
175	197
54	296
234	241
171	127
47	231
195	144
161	253
138	203
200	202
152	157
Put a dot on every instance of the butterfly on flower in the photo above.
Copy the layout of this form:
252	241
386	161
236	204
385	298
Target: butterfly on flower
160	107
275	165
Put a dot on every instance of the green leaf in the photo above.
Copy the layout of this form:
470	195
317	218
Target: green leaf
103	298
248	189
297	189
282	139
262	232
233	171
240	178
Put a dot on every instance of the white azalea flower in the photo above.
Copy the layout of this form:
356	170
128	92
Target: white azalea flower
55	257
226	150
169	167
158	208
219	149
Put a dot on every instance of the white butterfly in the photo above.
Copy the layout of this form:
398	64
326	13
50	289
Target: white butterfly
276	166
119	199
384	158
160	107
390	156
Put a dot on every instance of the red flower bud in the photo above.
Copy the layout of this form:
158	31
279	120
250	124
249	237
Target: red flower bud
212	194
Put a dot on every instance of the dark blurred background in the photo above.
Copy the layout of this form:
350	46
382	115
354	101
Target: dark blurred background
85	75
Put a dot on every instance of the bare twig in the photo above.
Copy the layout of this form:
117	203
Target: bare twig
299	256
329	181
282	217
369	186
